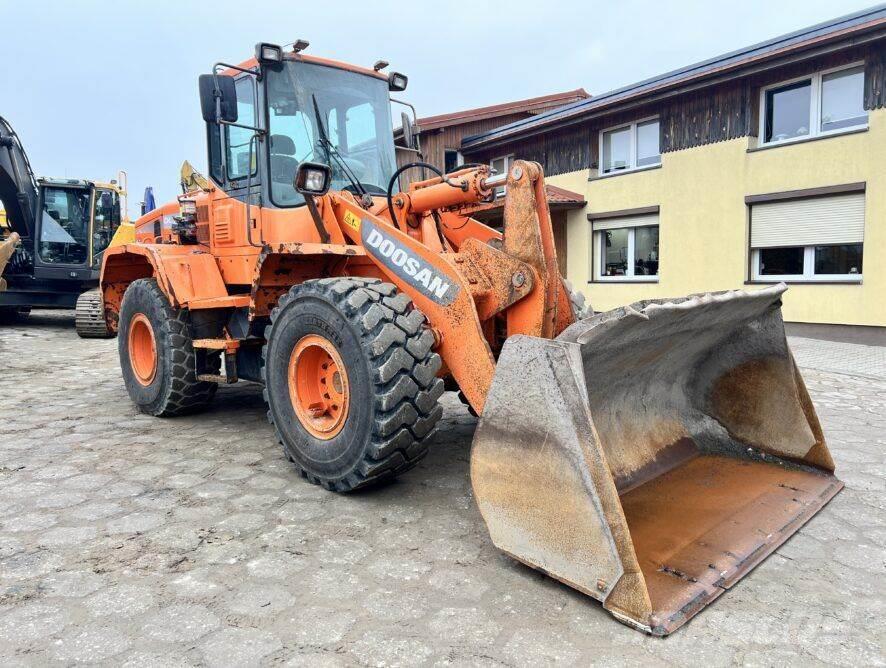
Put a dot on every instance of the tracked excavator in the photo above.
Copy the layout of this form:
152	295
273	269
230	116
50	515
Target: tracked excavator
54	235
648	456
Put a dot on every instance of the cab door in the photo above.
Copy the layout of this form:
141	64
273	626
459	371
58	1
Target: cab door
63	229
106	218
242	173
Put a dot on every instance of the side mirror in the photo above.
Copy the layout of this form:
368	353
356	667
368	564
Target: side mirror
408	131
312	179
225	93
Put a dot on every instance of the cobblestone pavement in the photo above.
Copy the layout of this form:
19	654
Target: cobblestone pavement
849	358
135	541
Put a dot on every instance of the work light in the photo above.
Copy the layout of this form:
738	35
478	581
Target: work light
268	53
312	178
397	81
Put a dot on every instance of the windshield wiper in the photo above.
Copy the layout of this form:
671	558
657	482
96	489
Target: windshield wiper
332	151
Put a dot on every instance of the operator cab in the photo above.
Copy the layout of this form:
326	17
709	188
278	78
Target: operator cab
75	224
279	111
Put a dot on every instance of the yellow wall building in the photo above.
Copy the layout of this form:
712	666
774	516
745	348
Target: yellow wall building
756	167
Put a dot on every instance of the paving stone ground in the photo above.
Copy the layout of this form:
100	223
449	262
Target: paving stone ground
135	541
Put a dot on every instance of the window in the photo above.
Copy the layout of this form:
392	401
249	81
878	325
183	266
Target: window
501	166
239	138
820	104
630	147
626	248
106	219
307	102
811	239
64	225
451	160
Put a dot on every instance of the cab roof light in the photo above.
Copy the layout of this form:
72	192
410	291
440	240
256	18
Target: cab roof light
397	81
268	53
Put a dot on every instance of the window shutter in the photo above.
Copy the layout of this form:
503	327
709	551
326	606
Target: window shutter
643	220
818	221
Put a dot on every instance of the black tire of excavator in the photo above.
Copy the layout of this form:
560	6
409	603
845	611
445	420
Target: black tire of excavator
387	348
89	316
11	315
175	389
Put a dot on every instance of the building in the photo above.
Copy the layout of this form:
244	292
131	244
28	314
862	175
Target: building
758	166
440	138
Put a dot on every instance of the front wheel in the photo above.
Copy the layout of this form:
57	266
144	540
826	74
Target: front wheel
351	381
157	356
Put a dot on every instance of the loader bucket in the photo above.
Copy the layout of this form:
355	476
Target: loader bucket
652	455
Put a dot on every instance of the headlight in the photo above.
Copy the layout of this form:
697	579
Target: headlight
312	178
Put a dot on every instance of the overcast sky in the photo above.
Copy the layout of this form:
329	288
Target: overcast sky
96	86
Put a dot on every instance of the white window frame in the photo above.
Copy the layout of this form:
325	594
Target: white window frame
508	159
808	275
633	166
600	257
459	158
815	79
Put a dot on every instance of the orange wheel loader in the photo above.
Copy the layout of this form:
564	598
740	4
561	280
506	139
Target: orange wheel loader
648	456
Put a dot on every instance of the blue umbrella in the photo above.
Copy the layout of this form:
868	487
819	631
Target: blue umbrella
148	204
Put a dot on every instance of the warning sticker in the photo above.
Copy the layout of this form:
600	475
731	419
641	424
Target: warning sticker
352	221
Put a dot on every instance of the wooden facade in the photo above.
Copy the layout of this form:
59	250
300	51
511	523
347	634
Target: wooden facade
721	112
439	134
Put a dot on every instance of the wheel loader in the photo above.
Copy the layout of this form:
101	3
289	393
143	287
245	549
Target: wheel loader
648	456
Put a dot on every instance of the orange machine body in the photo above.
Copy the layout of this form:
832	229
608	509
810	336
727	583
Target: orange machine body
476	285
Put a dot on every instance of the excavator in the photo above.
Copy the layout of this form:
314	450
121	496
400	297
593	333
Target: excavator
648	456
54	232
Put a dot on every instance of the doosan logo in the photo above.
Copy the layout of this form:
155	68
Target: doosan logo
409	267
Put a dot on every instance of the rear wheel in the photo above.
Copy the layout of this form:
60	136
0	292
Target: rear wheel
351	381
157	356
89	316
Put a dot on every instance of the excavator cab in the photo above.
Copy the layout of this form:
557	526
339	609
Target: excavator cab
77	220
63	227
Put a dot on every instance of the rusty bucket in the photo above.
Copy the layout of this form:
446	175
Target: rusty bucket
652	455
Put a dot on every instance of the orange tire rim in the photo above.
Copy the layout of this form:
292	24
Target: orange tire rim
142	349
318	386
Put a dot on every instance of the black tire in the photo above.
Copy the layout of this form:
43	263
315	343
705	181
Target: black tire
174	389
11	315
89	316
386	348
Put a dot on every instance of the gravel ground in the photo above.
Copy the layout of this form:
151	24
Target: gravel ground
130	540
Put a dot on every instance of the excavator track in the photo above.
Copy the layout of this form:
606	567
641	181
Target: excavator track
89	316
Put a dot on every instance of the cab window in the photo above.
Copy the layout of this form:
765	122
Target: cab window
106	217
238	138
64	225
